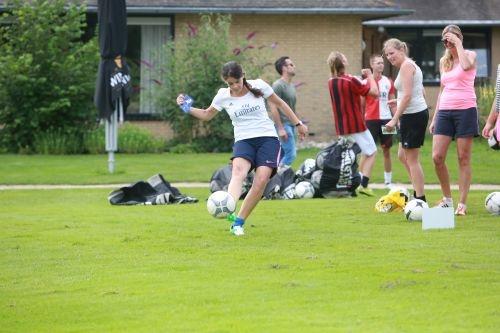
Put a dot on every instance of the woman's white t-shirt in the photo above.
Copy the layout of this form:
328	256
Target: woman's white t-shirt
248	113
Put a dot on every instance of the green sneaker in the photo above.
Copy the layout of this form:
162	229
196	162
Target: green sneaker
366	191
231	217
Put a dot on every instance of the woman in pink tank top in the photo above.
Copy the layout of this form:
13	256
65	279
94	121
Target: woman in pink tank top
456	115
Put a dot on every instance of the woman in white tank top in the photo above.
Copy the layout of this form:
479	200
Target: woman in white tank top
411	113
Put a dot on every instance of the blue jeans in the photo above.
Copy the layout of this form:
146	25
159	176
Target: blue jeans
289	149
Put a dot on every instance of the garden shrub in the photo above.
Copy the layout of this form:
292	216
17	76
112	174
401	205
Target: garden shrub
47	75
134	139
57	142
193	67
485	95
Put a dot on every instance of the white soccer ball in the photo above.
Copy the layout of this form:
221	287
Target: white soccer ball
320	159
289	192
414	209
306	168
220	204
492	203
304	190
493	142
316	178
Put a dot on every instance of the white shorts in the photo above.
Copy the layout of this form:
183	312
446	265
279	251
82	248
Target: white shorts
365	142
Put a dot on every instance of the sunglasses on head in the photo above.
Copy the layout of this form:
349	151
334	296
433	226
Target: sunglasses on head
445	41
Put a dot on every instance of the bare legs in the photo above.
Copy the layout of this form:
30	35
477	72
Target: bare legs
410	158
366	164
387	159
402	159
464	149
440	144
240	170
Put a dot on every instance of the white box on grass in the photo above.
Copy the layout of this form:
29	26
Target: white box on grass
438	218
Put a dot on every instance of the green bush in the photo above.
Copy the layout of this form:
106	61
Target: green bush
47	75
184	148
193	67
94	141
57	142
134	139
485	95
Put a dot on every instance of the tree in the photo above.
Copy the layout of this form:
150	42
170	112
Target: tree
193	66
47	73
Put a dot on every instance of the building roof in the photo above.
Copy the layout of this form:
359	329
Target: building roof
443	12
368	9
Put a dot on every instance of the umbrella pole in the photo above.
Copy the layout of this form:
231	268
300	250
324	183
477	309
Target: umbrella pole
111	161
112	136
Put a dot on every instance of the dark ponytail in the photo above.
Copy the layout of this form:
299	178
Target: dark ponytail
234	70
256	92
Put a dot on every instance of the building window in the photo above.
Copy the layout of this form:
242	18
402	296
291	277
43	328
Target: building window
146	37
426	49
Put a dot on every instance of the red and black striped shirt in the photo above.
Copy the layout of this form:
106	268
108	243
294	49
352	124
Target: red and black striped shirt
345	92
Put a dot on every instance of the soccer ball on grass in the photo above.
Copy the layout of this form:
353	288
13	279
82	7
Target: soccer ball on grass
304	190
220	204
414	209
492	203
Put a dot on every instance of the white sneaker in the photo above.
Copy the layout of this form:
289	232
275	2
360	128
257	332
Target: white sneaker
389	186
237	230
444	203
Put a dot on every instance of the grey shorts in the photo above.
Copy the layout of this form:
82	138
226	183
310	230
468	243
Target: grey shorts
457	123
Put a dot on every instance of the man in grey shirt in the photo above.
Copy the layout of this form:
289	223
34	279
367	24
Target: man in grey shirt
285	89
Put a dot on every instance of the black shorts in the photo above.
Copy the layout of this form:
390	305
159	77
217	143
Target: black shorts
260	151
375	128
412	127
457	123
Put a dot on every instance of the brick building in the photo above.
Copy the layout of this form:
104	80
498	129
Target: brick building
307	31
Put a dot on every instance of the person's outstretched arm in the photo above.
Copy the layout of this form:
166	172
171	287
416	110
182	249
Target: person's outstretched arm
202	114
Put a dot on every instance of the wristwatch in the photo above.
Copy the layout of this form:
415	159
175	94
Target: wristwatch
299	123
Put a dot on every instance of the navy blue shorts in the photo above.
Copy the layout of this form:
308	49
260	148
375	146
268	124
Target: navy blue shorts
457	123
412	128
375	127
260	151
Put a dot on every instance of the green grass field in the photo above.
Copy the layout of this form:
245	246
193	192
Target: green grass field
93	169
70	262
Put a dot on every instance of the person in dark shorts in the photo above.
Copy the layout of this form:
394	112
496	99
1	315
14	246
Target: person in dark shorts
378	113
256	142
456	116
411	112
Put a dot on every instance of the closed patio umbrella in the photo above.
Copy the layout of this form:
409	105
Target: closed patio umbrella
113	84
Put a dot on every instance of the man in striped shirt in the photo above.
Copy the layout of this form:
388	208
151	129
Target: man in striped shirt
345	94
